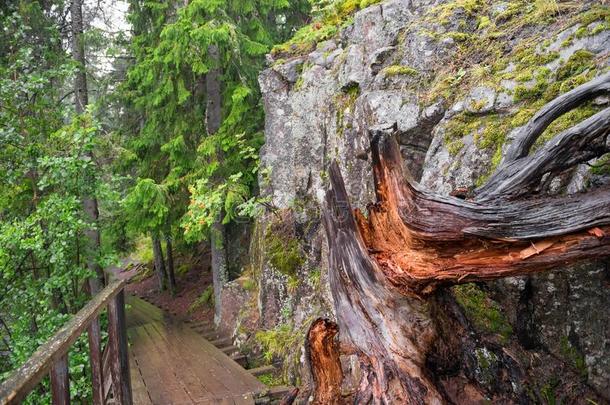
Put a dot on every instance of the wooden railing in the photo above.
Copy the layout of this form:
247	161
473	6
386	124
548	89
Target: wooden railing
109	367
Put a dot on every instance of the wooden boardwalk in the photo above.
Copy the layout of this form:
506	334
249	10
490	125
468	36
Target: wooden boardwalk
172	365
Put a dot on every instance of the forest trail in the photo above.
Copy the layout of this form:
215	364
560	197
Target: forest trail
171	364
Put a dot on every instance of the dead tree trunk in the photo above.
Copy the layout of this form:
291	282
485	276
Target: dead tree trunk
385	267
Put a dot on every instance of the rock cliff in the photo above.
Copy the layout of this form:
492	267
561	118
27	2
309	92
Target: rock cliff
456	77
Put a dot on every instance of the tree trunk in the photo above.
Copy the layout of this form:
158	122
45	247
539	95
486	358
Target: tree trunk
213	118
170	264
385	268
81	95
220	273
81	99
159	262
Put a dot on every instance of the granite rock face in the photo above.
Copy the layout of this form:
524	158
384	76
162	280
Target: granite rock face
396	65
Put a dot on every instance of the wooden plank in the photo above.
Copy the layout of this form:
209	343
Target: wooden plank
175	361
200	379
16	387
147	310
242	381
212	361
60	382
161	382
117	336
176	364
246	399
138	387
262	370
243	399
106	374
95	358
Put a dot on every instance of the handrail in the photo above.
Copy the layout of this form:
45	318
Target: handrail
51	357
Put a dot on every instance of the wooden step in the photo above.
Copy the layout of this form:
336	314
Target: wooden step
229	350
209	335
262	370
240	359
279	392
222	342
201	324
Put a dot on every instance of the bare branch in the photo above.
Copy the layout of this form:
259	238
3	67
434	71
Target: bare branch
550	112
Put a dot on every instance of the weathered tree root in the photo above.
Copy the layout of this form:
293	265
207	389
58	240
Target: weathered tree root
384	267
323	351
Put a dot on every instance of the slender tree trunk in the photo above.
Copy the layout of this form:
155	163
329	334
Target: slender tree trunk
170	264
213	118
81	99
159	261
386	268
220	273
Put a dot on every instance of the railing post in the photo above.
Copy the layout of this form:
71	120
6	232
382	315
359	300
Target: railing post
117	337
95	356
60	382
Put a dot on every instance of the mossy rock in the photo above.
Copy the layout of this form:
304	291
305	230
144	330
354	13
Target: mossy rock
282	247
482	311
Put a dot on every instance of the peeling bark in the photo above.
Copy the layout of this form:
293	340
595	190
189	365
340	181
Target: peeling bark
385	267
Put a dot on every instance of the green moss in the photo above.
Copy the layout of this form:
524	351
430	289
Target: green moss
353	91
530	92
298	85
484	22
572	354
511	11
581	32
482	311
396	70
596	13
600	28
444	12
279	342
314	278
566	121
305	39
283	253
545	9
494	133
249	285
580	61
325	27
270	379
293	284
602	166
458	36
454	147
461	125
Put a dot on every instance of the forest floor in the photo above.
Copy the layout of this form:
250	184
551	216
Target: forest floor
191	284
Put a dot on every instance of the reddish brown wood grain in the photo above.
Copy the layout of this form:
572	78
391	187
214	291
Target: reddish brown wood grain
386	265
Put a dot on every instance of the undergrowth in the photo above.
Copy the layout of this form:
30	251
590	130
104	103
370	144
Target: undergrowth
206	299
